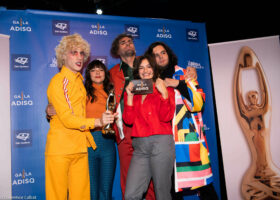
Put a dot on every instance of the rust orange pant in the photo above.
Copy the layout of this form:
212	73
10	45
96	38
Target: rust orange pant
67	174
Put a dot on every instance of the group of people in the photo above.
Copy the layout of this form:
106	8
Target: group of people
80	161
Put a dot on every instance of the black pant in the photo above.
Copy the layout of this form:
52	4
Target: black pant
205	193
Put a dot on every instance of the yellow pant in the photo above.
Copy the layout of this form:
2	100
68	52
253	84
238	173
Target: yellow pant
67	172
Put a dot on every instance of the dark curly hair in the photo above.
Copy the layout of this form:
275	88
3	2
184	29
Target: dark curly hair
115	45
107	85
173	60
137	63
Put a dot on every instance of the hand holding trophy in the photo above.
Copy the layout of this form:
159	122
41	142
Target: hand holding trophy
110	105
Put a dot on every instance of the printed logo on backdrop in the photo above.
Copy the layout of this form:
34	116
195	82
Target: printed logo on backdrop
21	62
60	27
103	59
20	25
22	138
164	33
53	63
206	128
192	35
98	29
21	99
23	178
133	30
195	64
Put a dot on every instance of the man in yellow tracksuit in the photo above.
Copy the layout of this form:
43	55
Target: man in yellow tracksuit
66	158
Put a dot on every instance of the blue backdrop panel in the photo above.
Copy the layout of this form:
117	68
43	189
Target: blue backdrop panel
34	36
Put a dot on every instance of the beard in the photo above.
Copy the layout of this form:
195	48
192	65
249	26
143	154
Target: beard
129	53
161	70
166	71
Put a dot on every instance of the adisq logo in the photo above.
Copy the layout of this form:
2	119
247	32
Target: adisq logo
164	33
98	29
21	99
20	26
23	177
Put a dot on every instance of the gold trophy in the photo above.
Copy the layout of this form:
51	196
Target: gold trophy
262	180
110	105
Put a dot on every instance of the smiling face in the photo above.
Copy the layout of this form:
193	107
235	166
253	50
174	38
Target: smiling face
145	70
97	75
74	59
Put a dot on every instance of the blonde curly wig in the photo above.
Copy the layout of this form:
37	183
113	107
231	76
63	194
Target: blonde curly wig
70	42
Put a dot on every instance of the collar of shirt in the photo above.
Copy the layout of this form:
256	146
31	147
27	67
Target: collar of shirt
71	76
127	71
124	66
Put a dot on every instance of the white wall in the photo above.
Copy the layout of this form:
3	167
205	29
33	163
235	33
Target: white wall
5	123
235	149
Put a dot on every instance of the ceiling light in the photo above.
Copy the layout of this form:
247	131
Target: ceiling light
99	11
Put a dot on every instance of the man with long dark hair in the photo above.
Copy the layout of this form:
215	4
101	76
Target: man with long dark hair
192	155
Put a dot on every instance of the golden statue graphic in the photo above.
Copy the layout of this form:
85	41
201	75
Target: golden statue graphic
110	105
262	179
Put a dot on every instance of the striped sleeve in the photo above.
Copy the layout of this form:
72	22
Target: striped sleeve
58	96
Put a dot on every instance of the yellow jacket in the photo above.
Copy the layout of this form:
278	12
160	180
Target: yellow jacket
69	128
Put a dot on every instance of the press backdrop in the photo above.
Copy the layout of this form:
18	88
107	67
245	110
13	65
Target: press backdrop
34	34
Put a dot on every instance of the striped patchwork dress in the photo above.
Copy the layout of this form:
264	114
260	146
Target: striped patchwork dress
192	165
